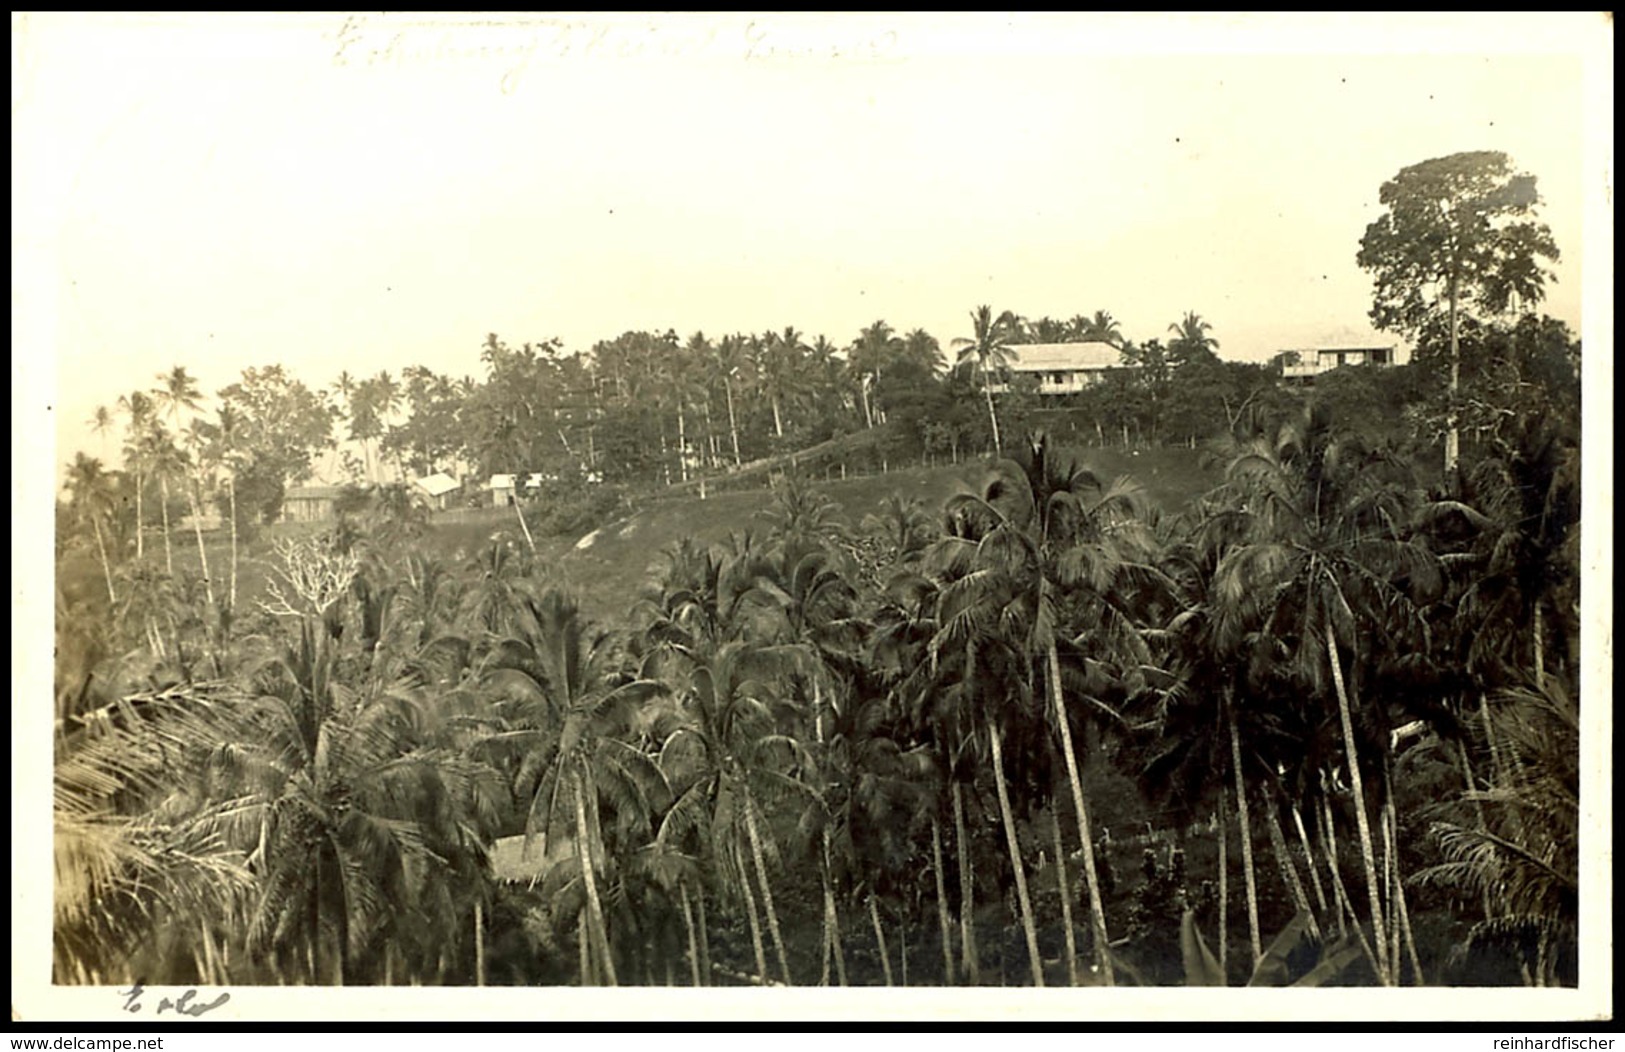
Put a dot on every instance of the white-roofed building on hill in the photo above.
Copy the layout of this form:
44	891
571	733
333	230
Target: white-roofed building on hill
437	490
1062	368
1313	361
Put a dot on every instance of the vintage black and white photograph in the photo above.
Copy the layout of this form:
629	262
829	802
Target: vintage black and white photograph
880	503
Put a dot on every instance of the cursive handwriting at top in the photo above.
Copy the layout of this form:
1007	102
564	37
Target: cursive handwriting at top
181	1005
511	46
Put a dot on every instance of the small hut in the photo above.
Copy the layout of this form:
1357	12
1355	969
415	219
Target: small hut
310	503
437	491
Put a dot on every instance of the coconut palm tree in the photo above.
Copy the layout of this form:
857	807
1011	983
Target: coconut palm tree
701	600
727	746
994	685
136	851
897	537
102	422
1102	327
931	684
342	806
198	450
225	445
1222	709
777	359
571	704
386	400
730	364
699	357
495	598
1043	330
1325	561
1520	509
164	458
678	373
137	407
806	587
1523	859
91	501
177	390
869	354
1191	339
1048	535
988	349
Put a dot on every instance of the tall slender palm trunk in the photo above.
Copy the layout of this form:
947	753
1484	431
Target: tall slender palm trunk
1403	918
1452	441
1246	834
710	435
1224	879
1309	860
1097	908
231	490
832	917
767	890
943	920
1283	858
1029	928
169	553
1478	805
1345	902
967	891
755	921
519	510
902	947
992	416
705	937
107	567
140	536
693	942
1340	895
733	426
1357	783
584	946
1065	893
479	943
682	443
1389	879
595	910
202	555
880	938
1537	631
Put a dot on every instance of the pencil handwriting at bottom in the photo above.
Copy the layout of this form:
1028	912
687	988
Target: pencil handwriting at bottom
181	1005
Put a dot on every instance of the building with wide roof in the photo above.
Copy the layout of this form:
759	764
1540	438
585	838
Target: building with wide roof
1062	368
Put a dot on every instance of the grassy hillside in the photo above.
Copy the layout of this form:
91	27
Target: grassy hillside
608	566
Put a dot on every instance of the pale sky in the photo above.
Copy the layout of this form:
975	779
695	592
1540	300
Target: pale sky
231	191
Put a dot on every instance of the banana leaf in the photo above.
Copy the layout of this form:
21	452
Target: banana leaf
1201	968
1274	969
1333	962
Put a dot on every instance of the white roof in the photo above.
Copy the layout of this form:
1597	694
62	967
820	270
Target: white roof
438	484
502	482
1061	357
1328	349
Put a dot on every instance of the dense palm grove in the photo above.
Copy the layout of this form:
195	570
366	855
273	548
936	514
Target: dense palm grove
1317	725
